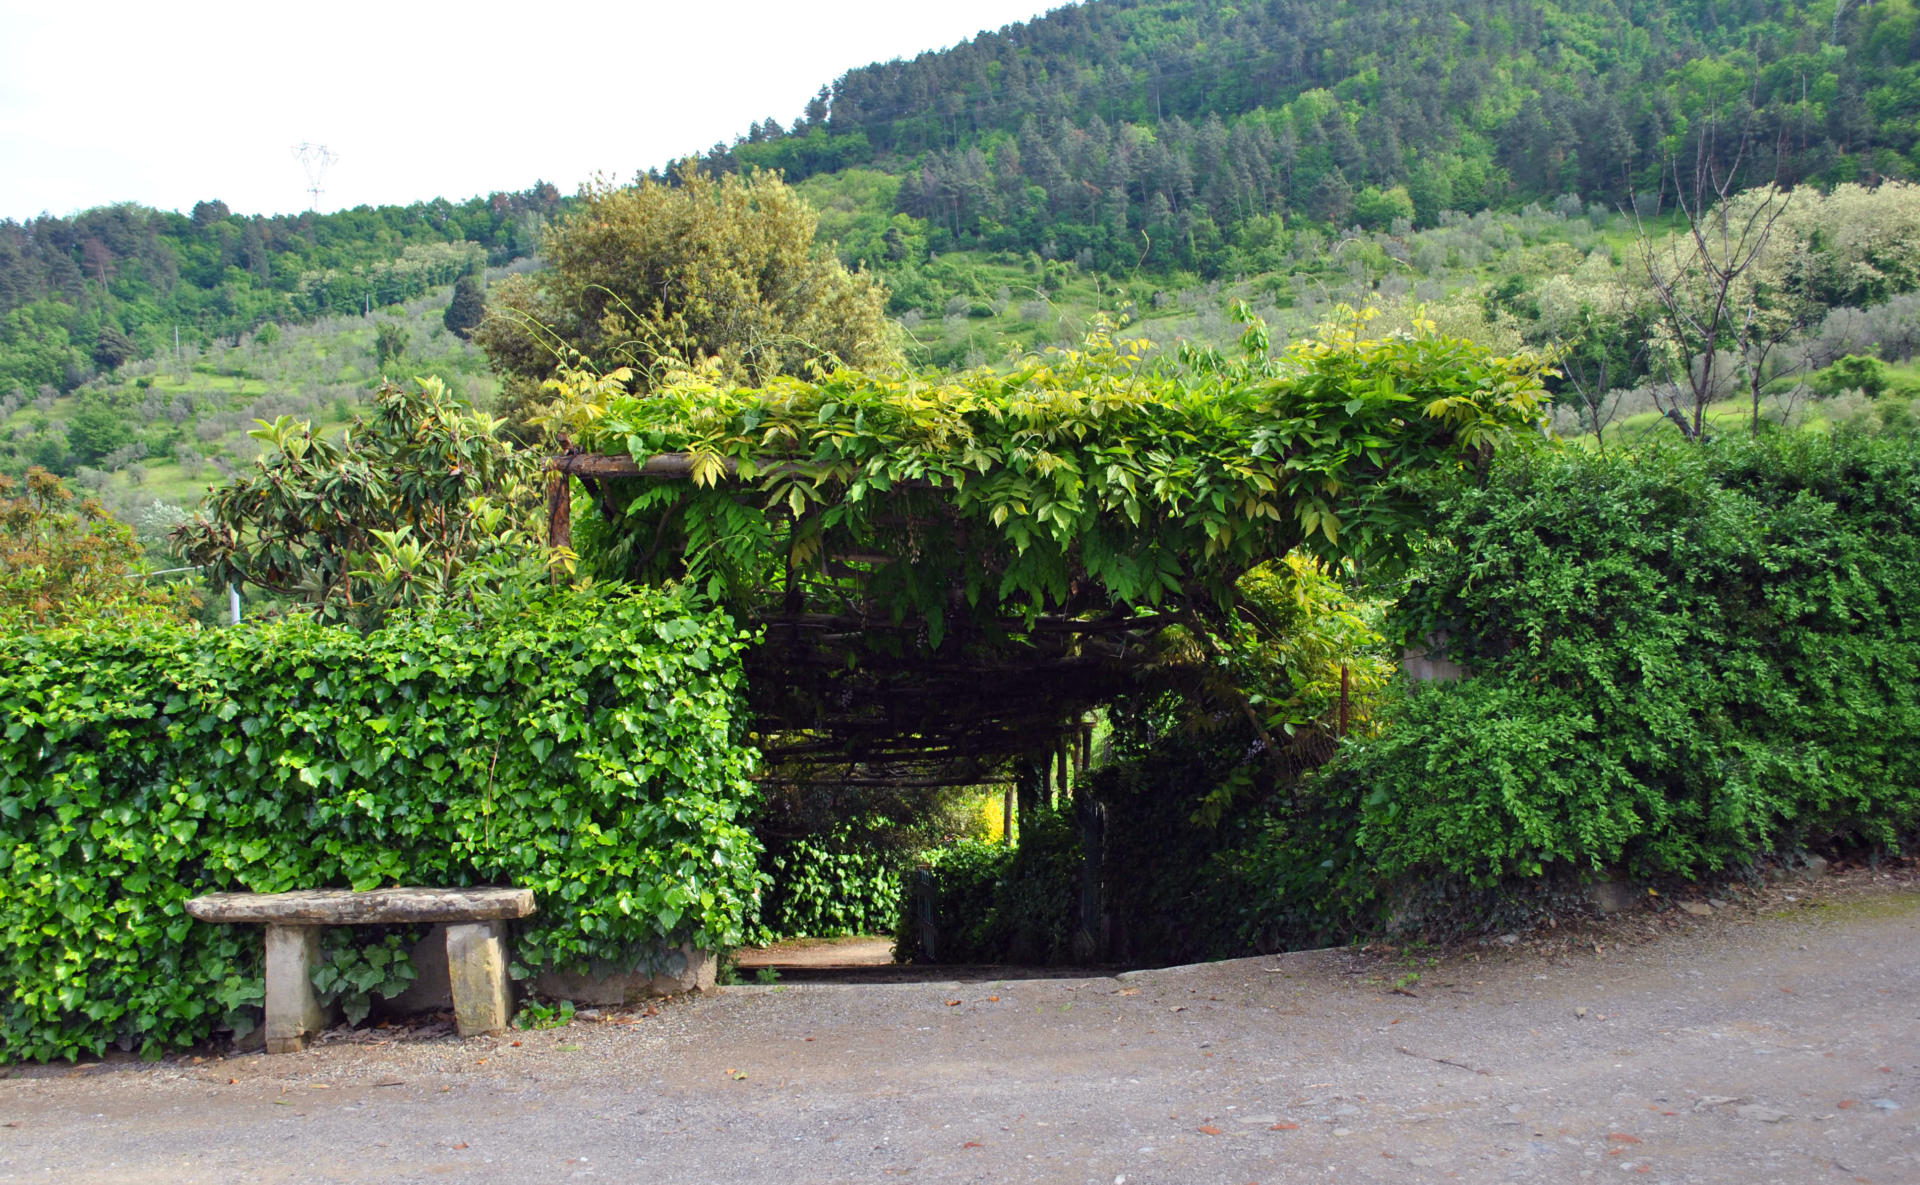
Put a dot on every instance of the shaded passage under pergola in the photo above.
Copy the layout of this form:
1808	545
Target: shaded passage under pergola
856	696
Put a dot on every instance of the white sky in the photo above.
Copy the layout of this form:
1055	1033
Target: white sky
169	104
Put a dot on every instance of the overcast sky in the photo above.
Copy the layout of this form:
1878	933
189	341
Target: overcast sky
168	104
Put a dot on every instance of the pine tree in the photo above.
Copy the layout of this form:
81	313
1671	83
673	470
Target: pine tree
467	308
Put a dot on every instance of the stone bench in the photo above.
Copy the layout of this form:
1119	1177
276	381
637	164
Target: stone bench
476	947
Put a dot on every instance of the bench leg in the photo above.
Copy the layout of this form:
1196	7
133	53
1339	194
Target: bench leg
477	966
293	1011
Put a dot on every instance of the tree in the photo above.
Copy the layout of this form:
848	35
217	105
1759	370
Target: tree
389	344
1702	280
426	502
467	308
96	430
112	348
722	274
63	562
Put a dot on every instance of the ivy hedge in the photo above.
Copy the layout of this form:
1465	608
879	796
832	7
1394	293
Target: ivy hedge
582	744
1681	657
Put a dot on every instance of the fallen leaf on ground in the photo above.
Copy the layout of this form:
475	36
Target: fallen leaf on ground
953	1003
973	1144
1178	1008
1284	1127
458	1147
1209	1130
1845	1103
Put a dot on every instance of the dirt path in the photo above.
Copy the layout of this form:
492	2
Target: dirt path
1768	1045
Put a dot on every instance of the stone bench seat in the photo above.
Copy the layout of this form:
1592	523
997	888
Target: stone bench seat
476	946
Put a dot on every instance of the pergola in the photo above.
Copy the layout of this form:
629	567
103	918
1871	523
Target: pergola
855	696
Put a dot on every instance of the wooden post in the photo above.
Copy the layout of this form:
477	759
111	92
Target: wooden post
927	913
1030	782
1089	937
1006	816
559	510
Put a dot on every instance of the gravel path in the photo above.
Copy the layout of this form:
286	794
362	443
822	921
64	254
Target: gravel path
1771	1044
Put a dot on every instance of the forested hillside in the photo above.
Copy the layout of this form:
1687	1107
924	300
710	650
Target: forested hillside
1150	158
1144	132
95	290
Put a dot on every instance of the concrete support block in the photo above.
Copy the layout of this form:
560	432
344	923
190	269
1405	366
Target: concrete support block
293	1010
477	966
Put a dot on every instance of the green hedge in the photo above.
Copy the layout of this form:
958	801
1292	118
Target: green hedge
825	886
584	745
994	904
1682	658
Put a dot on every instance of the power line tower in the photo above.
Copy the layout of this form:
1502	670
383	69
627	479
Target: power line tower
316	159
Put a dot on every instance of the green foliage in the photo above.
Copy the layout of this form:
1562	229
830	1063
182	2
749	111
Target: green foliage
389	345
425	503
467	308
1145	133
356	969
826	887
112	348
1680	661
994	904
96	430
581	744
1853	373
532	1014
1183	885
1158	482
64	562
720	275
958	890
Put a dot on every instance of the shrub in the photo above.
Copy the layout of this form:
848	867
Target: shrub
826	887
577	743
1682	659
993	904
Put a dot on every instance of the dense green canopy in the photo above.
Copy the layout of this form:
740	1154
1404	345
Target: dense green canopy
1003	539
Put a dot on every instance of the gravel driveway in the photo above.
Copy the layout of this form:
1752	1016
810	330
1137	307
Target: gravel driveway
1778	1042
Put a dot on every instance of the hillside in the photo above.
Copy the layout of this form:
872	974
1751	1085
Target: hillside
149	437
85	294
1153	159
1165	134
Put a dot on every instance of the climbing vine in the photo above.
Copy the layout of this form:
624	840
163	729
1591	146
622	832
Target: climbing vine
1099	480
